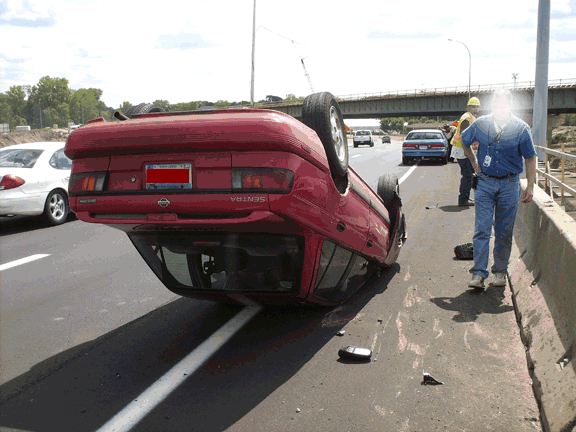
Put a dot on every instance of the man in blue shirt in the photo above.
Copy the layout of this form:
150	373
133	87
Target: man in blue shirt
503	141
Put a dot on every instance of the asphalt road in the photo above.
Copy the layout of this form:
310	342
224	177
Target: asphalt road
87	328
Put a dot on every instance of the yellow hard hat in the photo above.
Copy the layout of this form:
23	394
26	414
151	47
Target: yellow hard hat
474	101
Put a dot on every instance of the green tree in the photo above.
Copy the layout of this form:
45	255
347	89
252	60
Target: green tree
163	104
17	99
184	106
221	104
125	107
85	105
50	92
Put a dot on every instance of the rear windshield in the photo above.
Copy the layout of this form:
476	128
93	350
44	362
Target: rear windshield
362	133
424	136
223	262
19	158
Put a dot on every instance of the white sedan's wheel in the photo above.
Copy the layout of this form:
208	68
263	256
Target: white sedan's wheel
56	208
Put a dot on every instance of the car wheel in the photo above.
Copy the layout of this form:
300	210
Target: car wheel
56	208
143	108
355	145
388	188
405	160
371	144
321	112
445	159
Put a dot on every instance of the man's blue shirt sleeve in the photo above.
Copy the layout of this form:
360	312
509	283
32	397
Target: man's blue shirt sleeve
469	135
527	149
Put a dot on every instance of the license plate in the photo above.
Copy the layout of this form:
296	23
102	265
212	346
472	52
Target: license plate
423	147
169	176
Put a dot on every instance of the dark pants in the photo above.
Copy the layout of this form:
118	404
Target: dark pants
466	172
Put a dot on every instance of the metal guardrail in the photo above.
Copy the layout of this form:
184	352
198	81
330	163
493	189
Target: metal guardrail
548	177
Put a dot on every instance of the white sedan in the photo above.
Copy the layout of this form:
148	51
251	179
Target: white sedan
34	181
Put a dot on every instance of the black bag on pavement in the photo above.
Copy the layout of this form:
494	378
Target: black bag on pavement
464	251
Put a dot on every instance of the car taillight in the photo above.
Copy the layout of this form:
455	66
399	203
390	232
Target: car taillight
86	183
262	180
409	145
437	145
10	181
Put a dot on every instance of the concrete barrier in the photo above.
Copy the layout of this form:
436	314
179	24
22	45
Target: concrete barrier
543	278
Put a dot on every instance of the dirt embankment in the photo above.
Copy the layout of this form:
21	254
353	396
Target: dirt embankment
563	135
36	135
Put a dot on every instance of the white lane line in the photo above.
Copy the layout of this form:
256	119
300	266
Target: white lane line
22	261
358	155
150	398
410	171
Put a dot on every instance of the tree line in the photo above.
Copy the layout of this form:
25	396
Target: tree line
51	101
397	123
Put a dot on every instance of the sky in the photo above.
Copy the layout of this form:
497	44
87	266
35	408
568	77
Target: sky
182	51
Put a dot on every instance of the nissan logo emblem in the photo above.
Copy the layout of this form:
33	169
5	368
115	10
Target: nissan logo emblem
163	202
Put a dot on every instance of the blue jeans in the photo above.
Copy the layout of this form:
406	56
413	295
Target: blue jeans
496	202
466	172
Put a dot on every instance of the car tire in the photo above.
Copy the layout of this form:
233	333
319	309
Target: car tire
405	160
56	208
143	108
388	189
321	112
371	144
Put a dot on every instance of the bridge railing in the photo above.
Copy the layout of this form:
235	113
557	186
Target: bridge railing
519	85
550	178
459	89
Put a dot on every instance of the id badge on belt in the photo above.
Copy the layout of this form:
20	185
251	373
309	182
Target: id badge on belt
487	161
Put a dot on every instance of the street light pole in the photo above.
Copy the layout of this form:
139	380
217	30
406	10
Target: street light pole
514	76
469	64
253	48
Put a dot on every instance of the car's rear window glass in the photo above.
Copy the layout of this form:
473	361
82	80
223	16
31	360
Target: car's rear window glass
224	262
341	273
19	158
329	281
424	136
60	161
362	133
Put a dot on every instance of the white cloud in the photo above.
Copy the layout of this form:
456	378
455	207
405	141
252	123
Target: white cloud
178	50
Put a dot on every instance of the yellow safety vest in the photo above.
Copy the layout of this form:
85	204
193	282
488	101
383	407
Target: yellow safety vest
457	138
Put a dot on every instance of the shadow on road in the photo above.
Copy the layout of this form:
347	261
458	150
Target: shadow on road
454	208
472	303
21	224
82	388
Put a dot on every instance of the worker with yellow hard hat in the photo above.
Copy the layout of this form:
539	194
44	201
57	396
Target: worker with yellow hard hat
466	169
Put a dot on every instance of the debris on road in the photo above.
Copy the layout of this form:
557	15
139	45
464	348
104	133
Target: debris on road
297	409
354	353
464	251
340	333
430	380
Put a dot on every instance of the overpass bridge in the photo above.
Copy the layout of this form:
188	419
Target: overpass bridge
445	102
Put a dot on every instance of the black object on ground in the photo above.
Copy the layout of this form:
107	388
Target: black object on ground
354	353
464	251
430	380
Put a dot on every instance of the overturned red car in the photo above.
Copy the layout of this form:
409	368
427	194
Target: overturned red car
241	203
